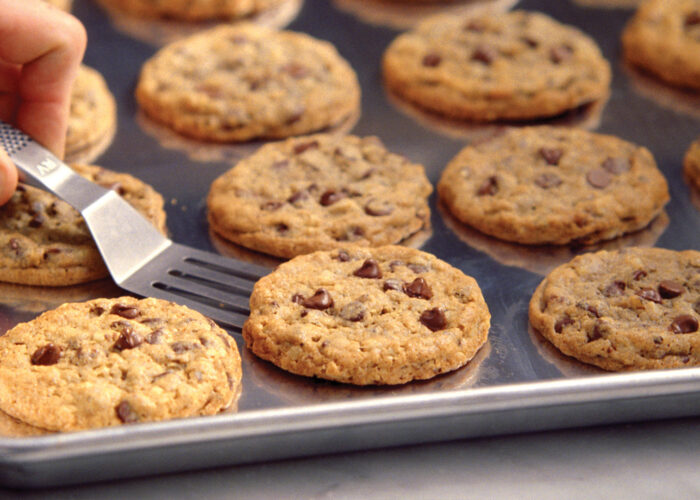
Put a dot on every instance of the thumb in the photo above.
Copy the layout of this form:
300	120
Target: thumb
8	177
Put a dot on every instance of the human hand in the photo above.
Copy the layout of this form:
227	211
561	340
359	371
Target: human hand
40	50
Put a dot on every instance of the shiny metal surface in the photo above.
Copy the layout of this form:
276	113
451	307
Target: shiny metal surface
517	383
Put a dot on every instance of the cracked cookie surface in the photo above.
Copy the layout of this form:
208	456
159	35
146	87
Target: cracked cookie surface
365	316
540	185
241	82
93	112
107	362
319	192
626	310
691	163
663	38
513	66
45	241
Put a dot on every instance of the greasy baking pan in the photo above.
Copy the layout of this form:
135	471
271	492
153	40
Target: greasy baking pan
517	383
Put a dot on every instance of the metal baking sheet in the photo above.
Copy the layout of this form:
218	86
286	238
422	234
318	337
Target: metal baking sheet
517	383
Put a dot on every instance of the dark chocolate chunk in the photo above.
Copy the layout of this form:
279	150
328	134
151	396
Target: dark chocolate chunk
562	322
617	165
129	312
353	311
530	42
488	187
180	347
96	310
434	319
650	294
548	180
693	19
596	333
394	264
319	300
599	178
560	54
685	323
46	355
298	196
484	54
154	336
304	146
418	288
431	60
128	340
126	413
551	155
393	284
378	208
331	196
369	269
614	289
281	228
297	298
343	256
669	289
36	221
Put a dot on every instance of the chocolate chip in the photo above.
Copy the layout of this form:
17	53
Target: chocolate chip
36	221
693	19
369	269
128	340
529	41
180	347
617	165
615	289
298	196
46	355
394	264
205	341
670	289
484	54
551	155
431	60
562	322
417	268
126	413
154	336
353	311
295	116
639	274
488	187
418	288
596	333
393	284
560	53
433	319
271	206
378	208
298	298
296	70
304	146
685	323
14	245
650	294
548	180
129	312
598	178
96	310
319	300
281	227
658	340
475	25
331	196
343	256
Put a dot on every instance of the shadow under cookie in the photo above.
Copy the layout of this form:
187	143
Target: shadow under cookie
663	94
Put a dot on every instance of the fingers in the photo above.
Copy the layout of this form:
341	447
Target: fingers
8	177
49	45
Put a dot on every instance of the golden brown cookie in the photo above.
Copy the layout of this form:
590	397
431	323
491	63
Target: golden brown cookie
61	4
691	164
364	316
112	361
663	38
93	116
631	309
319	192
539	185
193	10
241	82
44	241
513	66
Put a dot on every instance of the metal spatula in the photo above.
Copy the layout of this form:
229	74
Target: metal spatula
138	257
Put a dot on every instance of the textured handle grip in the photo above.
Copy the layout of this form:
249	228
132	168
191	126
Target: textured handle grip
13	139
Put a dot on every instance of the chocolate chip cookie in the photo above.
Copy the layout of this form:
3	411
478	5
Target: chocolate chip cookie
626	310
691	164
193	10
240	82
317	193
663	38
538	185
512	66
116	361
44	241
365	316
93	116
